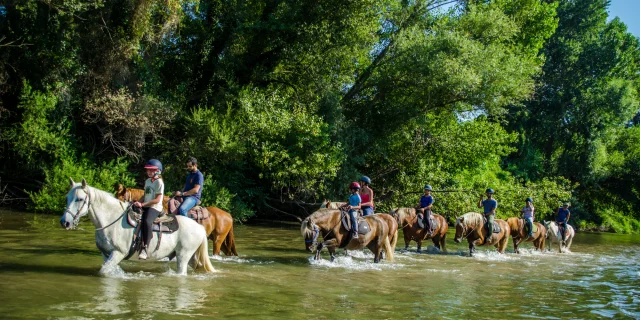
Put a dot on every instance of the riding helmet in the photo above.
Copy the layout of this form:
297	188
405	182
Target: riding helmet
154	164
428	187
529	199
365	179
490	191
354	185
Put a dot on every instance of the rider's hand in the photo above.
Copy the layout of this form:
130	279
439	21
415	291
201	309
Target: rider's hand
137	204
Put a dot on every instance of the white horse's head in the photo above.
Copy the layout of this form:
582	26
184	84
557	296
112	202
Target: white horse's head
78	202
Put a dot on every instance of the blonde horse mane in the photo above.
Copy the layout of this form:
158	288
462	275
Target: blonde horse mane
470	219
306	227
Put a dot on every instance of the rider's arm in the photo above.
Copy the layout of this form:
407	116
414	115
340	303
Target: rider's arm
480	202
429	206
194	190
153	201
568	216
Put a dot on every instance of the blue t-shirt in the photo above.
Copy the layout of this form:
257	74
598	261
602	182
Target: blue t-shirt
425	201
562	214
489	205
194	178
354	200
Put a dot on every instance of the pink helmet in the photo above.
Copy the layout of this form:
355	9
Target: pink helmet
354	185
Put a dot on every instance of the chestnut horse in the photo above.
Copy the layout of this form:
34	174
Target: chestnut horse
219	226
328	223
519	235
472	227
408	221
391	222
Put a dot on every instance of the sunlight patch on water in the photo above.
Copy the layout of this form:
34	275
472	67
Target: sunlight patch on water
236	259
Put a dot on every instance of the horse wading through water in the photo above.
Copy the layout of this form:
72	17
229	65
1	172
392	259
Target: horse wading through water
114	235
219	226
516	226
471	226
391	221
408	221
328	223
553	235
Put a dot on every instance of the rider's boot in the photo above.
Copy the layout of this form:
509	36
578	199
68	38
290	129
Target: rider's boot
143	254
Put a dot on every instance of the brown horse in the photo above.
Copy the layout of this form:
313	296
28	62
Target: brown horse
391	222
519	235
328	223
219	226
472	227
408	221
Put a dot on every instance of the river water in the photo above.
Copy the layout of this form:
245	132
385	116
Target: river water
48	272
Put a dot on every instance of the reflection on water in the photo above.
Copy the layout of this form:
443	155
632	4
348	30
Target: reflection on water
57	270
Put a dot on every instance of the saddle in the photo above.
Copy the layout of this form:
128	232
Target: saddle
496	226
363	225
197	213
525	228
165	223
432	220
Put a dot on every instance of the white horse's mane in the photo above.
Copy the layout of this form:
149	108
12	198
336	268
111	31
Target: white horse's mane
470	219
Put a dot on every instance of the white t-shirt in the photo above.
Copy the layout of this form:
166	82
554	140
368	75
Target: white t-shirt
153	189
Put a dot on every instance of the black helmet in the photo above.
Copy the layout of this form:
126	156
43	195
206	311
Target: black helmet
529	199
490	191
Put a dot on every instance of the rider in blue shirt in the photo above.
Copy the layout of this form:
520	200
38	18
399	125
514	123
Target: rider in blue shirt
424	209
192	188
490	205
354	205
562	217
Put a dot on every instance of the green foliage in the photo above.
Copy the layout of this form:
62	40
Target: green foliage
51	197
213	194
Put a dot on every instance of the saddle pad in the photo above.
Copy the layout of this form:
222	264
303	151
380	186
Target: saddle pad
166	223
434	223
198	213
363	225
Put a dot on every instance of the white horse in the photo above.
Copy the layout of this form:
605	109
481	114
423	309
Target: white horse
114	235
554	236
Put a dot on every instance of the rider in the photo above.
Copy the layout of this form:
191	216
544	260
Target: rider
527	215
562	217
151	202
367	196
354	205
424	208
192	190
490	205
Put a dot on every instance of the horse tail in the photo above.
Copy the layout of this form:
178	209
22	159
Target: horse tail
202	256
230	243
386	246
394	240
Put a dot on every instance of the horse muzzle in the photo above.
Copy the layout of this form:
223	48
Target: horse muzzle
67	221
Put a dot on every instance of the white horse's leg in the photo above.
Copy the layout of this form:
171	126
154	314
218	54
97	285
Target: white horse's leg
112	262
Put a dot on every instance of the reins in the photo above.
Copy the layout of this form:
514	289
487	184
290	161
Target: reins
117	219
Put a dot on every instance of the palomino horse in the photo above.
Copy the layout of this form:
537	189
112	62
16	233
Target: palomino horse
519	235
408	221
114	236
328	223
472	227
553	234
219	226
391	222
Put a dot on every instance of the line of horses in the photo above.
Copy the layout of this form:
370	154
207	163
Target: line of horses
469	226
189	243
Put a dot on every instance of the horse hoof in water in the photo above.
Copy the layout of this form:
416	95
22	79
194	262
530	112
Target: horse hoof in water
419	251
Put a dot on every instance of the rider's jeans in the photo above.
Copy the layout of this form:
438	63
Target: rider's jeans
187	204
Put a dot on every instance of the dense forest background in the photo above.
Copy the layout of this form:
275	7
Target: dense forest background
284	102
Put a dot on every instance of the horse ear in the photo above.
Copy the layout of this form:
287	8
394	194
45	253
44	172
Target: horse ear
71	182
119	188
84	183
461	219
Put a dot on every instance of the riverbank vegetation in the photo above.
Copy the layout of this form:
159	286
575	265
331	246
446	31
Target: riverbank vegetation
286	101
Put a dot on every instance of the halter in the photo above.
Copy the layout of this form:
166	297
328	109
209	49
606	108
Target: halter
316	232
77	216
464	230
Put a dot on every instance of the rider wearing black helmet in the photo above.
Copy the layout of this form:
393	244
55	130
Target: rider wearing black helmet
151	202
490	205
424	209
366	194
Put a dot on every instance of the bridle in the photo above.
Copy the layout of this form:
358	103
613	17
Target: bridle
316	232
466	234
77	215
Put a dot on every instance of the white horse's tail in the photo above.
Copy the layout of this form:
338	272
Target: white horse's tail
202	256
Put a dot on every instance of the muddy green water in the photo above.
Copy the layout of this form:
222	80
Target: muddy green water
47	272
